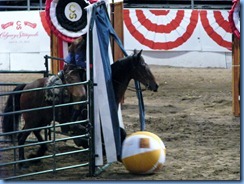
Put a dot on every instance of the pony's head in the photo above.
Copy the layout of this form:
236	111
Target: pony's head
72	74
142	73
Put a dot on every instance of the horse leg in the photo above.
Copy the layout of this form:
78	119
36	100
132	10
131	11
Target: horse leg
83	112
76	112
122	138
79	130
42	149
21	141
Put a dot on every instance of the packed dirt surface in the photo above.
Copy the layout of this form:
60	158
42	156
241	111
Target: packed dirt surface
191	113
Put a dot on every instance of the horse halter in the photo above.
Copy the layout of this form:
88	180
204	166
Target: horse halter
134	71
132	59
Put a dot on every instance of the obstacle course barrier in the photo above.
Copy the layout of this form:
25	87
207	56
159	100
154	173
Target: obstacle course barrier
54	159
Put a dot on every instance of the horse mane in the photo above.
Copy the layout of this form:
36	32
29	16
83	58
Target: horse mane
121	64
69	67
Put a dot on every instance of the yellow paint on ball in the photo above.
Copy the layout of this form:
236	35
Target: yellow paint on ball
143	153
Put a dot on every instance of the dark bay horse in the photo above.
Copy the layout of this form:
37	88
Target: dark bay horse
123	70
128	68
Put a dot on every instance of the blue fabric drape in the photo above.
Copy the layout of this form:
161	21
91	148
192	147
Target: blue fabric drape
105	30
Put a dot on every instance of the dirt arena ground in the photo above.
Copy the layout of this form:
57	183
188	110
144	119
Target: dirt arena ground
191	113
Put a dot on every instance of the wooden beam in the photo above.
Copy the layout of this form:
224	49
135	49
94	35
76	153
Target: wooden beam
55	52
117	21
235	76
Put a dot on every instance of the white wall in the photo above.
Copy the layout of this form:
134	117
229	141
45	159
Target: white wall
23	41
22	61
188	59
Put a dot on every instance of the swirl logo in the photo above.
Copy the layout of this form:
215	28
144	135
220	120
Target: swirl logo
73	11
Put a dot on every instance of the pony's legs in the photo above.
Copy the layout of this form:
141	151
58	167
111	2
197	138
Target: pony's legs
21	141
43	147
76	112
80	113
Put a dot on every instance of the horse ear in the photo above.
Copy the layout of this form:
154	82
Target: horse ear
139	55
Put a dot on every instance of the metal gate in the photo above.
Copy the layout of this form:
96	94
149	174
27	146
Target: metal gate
62	153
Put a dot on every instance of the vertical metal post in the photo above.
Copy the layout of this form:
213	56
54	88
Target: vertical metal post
91	101
141	105
40	4
28	5
54	132
192	4
46	65
47	132
14	135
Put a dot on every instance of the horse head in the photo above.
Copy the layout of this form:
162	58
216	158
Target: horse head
72	74
142	73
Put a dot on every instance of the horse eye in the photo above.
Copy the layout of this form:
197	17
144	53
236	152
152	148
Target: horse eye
143	64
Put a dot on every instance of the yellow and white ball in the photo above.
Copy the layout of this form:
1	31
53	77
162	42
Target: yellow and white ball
143	153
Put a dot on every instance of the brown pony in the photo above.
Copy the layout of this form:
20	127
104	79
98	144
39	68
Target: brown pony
42	98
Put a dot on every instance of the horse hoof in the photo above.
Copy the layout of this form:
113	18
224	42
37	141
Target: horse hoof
81	142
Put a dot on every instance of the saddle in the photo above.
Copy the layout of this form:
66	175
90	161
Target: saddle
56	95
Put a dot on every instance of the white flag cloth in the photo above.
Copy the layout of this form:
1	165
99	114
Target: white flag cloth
105	110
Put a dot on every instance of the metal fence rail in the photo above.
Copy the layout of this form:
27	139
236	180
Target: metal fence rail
179	4
54	137
10	148
9	86
13	5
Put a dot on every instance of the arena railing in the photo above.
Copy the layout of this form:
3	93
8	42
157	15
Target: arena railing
13	5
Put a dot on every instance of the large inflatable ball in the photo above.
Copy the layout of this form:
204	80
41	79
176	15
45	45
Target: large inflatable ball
143	153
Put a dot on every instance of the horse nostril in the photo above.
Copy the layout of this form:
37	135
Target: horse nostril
156	88
153	87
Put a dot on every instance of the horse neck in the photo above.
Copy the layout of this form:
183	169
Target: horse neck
121	75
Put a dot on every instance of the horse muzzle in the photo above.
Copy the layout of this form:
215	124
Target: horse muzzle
153	87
